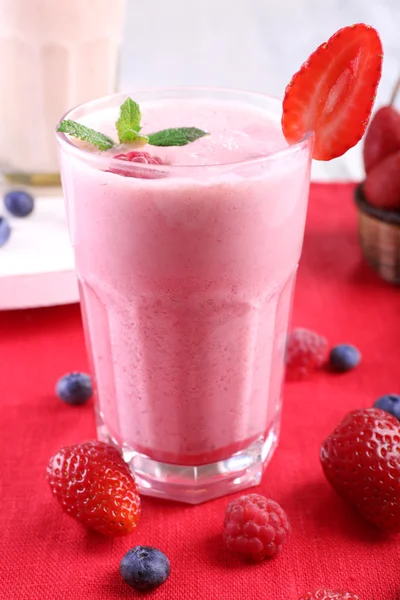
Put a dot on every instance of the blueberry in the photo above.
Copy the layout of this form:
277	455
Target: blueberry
74	388
5	231
390	403
344	357
144	568
19	203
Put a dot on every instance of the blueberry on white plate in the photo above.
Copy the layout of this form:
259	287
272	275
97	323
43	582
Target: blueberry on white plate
19	203
5	231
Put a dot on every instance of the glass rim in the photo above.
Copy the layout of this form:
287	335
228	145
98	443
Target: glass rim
101	159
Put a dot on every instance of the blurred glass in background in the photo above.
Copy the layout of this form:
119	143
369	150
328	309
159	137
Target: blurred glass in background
54	54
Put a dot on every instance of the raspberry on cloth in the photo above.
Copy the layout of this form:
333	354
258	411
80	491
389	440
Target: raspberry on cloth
255	527
306	352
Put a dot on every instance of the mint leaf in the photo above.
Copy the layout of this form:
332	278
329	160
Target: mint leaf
101	141
176	137
128	124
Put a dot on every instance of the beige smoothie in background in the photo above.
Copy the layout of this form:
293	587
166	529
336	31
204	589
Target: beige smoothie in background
54	54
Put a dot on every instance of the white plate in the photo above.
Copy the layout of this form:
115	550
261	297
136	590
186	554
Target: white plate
37	264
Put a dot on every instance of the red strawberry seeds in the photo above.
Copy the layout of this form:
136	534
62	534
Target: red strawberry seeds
306	351
255	527
328	595
93	484
334	91
361	460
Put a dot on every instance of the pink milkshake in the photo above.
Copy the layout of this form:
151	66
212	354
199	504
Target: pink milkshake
186	272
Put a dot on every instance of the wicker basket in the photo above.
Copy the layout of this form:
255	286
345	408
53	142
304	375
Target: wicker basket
379	233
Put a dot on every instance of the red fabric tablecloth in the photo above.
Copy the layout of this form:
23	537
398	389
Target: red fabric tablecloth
45	555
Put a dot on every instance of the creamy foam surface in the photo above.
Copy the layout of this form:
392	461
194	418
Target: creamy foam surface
237	131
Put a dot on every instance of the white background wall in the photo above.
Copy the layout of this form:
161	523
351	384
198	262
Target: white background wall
251	44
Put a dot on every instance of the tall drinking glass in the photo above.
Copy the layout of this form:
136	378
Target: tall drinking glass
186	276
54	54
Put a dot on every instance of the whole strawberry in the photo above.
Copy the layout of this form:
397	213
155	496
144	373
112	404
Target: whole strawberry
382	138
361	459
93	484
328	595
382	184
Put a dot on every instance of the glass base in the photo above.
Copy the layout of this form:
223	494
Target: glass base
33	179
192	484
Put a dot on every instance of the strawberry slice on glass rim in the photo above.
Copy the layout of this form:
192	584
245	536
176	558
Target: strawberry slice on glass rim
333	92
